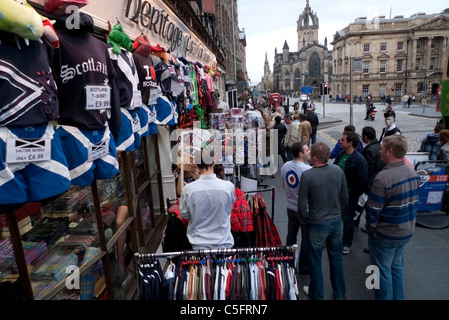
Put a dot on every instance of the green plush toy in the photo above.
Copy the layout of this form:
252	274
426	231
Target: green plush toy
119	39
200	115
19	18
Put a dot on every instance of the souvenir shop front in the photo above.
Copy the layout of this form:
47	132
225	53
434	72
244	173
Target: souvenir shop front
89	101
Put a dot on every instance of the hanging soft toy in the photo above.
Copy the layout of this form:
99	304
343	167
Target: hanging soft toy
19	18
200	115
119	39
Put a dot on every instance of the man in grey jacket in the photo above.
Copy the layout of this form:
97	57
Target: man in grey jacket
322	200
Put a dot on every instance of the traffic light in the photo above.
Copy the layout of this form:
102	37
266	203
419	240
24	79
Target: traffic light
325	88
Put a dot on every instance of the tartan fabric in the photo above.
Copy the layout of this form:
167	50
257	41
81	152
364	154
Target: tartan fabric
87	279
267	234
241	214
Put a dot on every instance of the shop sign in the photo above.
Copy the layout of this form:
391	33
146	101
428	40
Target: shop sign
156	18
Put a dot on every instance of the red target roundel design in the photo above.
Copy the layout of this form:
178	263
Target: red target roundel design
292	179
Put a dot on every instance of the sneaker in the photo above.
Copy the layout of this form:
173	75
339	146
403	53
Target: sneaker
363	229
306	290
346	250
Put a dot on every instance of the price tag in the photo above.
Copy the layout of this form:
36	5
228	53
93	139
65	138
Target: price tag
136	125
98	150
152	116
153	97
27	150
137	97
98	97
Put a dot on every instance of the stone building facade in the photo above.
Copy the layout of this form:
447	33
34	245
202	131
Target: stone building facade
311	65
391	56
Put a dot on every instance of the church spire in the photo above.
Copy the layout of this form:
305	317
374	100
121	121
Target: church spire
266	68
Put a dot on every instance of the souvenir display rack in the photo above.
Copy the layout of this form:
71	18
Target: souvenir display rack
132	186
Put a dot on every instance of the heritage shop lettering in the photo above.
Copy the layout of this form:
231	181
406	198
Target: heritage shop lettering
158	21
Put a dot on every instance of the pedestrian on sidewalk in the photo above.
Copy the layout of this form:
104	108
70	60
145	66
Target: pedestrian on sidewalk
372	156
443	151
305	128
282	130
355	168
431	142
337	148
324	220
390	129
291	173
391	216
312	117
291	136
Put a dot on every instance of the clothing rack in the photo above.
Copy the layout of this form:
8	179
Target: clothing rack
272	190
291	248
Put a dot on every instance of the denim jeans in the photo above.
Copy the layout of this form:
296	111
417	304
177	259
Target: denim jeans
327	233
348	223
388	256
312	139
292	237
289	154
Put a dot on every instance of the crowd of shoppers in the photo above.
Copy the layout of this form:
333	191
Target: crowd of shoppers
324	199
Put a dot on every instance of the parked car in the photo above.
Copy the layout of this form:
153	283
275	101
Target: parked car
304	97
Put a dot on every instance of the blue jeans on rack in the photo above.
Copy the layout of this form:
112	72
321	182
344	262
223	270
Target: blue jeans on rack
388	256
327	233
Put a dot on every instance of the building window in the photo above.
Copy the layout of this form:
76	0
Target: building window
314	65
382	90
366	47
433	44
383	66
383	46
400	46
418	45
365	90
365	67
398	90
297	83
420	87
399	65
432	64
418	64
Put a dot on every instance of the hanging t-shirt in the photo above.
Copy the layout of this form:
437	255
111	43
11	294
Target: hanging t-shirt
28	92
85	77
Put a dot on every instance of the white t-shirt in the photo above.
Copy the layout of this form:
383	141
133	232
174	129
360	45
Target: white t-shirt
291	173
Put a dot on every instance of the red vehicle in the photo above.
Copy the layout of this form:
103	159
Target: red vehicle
275	99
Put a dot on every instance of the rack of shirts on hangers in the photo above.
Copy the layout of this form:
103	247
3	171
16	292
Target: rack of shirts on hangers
261	273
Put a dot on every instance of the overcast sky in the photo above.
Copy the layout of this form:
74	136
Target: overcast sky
268	23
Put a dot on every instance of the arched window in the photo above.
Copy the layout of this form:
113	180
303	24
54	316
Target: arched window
314	65
297	81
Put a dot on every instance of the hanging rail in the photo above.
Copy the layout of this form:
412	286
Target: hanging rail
273	190
291	248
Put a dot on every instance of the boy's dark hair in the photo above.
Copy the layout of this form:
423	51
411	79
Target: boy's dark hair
297	148
207	158
369	132
278	119
349	128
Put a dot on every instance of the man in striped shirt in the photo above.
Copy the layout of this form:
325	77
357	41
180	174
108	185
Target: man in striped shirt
390	217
